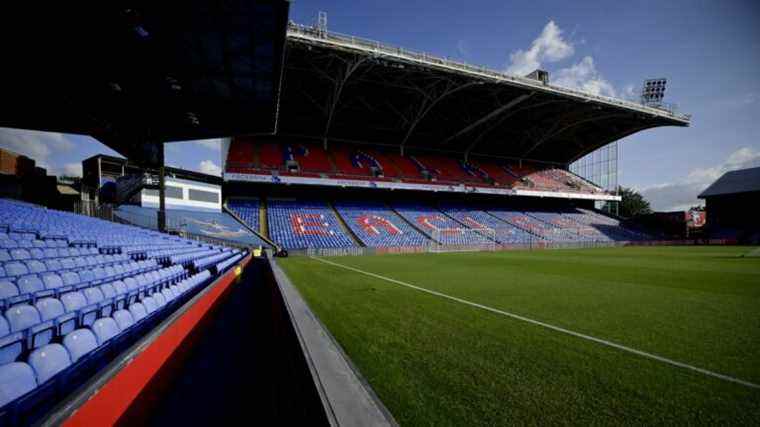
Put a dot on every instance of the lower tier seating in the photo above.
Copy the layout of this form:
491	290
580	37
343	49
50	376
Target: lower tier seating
301	225
76	291
378	226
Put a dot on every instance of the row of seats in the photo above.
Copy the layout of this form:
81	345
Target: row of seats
378	226
66	304
438	226
247	210
77	339
298	224
32	286
342	160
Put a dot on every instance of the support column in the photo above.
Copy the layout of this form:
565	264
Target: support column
161	190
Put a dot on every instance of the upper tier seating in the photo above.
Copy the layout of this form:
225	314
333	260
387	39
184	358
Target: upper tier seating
446	169
438	226
356	162
310	157
378	226
301	225
76	291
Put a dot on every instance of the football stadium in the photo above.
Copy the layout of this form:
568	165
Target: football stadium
396	238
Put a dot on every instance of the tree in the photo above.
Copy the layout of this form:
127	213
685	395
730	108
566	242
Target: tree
633	203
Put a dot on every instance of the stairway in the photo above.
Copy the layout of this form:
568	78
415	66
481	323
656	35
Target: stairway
345	227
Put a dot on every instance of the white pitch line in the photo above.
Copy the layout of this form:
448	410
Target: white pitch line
549	326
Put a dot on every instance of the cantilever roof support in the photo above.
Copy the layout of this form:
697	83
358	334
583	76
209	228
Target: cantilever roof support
428	102
489	116
552	134
339	82
498	123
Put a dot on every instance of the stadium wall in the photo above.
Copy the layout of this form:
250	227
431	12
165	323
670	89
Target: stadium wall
184	194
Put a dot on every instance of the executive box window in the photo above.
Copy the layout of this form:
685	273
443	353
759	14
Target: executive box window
171	192
204	196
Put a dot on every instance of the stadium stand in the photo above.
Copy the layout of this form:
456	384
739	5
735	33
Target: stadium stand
504	232
247	210
301	225
76	289
376	163
378	226
533	225
437	225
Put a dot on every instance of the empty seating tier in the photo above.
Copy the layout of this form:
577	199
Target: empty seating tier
76	291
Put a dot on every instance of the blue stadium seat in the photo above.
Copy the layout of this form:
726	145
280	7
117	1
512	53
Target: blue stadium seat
138	311
16	269
150	304
4	255
75	302
70	278
53	264
49	360
20	254
11	347
124	319
25	317
7	289
53	309
29	284
35	266
16	380
79	343
52	281
105	329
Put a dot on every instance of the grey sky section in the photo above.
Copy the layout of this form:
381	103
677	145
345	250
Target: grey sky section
346	396
552	327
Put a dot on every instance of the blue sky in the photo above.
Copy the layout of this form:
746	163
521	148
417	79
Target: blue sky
709	51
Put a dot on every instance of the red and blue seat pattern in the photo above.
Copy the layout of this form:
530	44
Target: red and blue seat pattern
301	225
378	226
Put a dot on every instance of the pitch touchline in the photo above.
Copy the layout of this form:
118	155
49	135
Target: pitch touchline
548	326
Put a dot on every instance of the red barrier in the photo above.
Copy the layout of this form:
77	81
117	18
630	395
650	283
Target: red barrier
108	405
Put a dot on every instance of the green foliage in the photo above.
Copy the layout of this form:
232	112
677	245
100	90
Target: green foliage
437	362
633	203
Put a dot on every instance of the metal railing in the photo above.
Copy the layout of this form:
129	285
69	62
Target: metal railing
313	33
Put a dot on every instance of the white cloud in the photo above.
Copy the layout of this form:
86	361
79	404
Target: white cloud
210	168
585	77
682	194
38	146
548	47
72	169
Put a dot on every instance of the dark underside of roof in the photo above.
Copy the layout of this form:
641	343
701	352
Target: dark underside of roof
346	95
129	72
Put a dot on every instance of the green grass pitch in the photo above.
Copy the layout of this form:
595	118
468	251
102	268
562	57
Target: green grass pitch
435	361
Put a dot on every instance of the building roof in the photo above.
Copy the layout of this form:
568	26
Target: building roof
340	88
144	71
741	181
67	190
